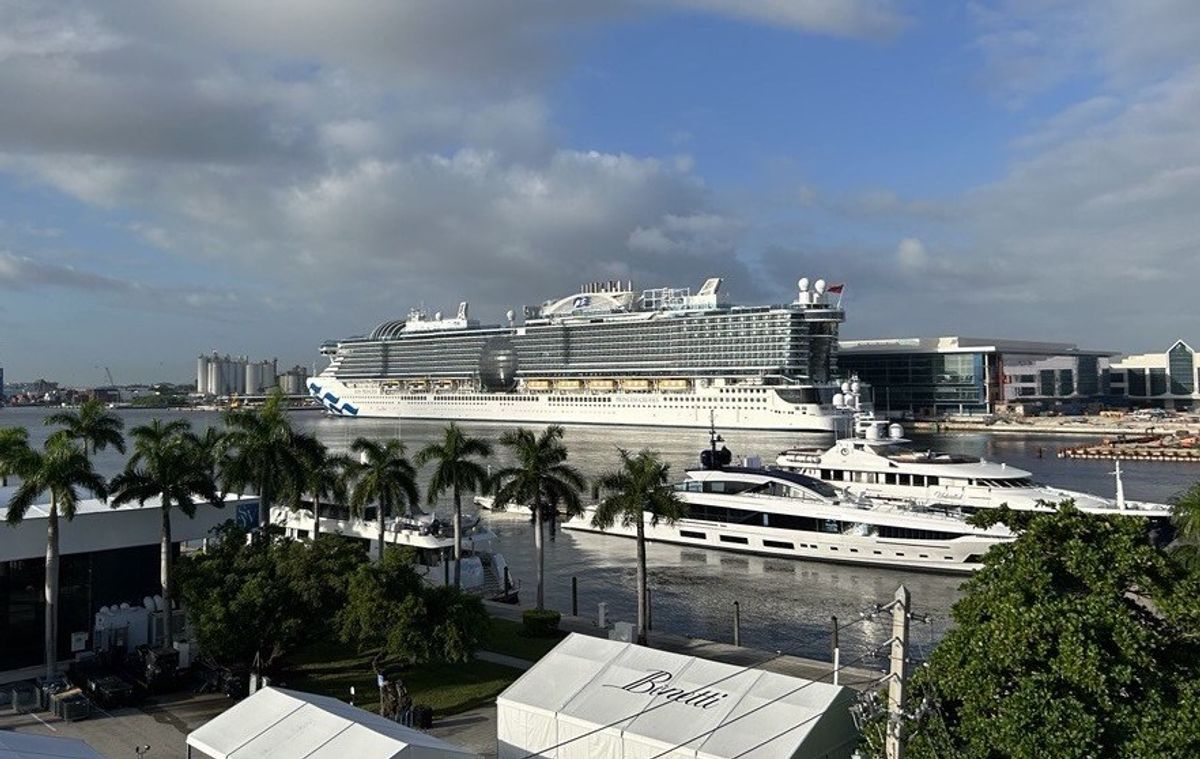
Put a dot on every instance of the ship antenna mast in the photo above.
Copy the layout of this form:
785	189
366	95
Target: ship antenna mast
713	437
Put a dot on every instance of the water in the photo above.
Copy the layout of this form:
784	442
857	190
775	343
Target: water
785	605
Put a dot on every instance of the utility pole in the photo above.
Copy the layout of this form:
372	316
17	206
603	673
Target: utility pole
894	745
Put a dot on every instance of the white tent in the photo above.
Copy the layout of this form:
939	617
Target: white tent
592	698
26	746
282	724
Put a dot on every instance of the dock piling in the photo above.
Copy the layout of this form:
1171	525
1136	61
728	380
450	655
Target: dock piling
737	624
574	596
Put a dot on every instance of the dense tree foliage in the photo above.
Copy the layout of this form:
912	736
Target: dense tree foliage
389	607
265	597
1078	639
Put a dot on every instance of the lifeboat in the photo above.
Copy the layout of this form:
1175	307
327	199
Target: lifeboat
537	384
568	384
674	384
601	384
635	384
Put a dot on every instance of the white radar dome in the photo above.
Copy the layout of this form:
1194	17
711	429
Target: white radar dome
819	286
845	387
895	431
510	314
438	316
839	400
803	284
854	386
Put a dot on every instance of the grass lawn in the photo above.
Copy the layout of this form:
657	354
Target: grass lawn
330	668
508	637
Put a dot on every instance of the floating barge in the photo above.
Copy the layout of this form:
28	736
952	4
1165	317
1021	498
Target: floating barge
1173	448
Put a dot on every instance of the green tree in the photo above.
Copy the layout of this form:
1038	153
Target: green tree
1185	517
323	476
384	477
1068	643
258	600
639	491
92	425
211	447
61	470
541	478
14	452
261	453
456	470
169	464
389	607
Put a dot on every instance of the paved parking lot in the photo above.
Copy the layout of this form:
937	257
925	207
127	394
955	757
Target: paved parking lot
161	723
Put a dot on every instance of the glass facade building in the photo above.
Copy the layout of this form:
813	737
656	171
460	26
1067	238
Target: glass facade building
934	376
1169	380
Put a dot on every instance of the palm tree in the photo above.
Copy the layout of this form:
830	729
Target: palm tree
540	478
456	471
1185	517
92	425
211	447
261	453
60	469
640	488
383	477
167	463
14	448
323	476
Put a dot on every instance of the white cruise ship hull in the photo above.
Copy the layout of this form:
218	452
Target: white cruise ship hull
961	555
728	408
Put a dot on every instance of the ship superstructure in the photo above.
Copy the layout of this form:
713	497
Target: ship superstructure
604	355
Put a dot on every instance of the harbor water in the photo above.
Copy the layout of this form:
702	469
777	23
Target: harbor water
785	605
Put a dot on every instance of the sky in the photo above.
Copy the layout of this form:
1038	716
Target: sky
258	176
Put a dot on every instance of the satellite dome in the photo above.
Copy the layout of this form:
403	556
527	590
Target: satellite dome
819	286
510	314
498	364
803	284
438	316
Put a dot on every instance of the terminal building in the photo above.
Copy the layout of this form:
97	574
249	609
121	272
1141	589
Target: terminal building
108	555
1167	380
936	376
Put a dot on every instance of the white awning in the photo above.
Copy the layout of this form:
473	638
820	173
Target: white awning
283	724
26	746
591	698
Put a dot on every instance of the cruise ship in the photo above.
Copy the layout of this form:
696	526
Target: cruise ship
607	354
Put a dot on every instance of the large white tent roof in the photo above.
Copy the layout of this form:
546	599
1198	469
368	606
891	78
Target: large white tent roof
591	698
282	724
26	746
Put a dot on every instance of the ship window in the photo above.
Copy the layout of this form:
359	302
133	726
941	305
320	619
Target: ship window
932	480
735	539
918	480
778	544
904	479
853	550
692	534
890	478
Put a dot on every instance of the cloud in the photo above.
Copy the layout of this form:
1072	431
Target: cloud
842	18
910	253
24	273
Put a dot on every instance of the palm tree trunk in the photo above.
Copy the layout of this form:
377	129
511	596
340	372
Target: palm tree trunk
382	529
316	530
540	549
641	580
457	538
52	588
264	509
165	574
553	521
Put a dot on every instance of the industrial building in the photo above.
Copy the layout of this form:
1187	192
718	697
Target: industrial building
1167	380
218	375
935	376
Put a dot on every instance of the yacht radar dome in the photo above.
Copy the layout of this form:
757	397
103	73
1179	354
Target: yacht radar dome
803	284
819	286
895	431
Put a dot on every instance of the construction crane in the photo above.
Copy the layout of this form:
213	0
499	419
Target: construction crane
111	383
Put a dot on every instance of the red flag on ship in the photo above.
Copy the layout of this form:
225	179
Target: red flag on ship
836	289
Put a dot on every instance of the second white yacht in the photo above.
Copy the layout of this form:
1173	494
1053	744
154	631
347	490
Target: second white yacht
880	464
